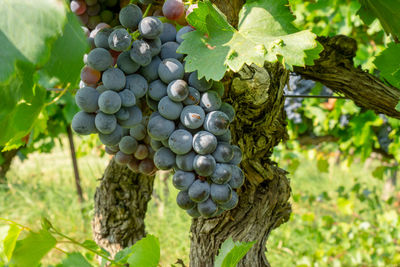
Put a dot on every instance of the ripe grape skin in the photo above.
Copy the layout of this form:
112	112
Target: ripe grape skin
204	142
232	203
228	110
109	102
150	72
183	180
155	145
152	104
169	109
157	90
101	88
220	193
165	143
119	40
105	123
202	85
170	69
78	7
207	208
223	153
90	75
135	117
122	114
222	173
126	64
114	79
164	159
180	142
113	138
128	145
181	32
109	150
183	200
192	116
204	165
193	97
178	90
141	52
150	27
141	152
146	166
237	179
155	46
101	38
173	9
168	50
168	34
160	128
237	155
138	132
93	10
137	84
226	137
122	158
199	191
193	212
185	162
130	16
210	101
86	98
128	98
133	165
83	123
216	122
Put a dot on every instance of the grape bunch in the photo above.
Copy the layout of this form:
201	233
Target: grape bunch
188	128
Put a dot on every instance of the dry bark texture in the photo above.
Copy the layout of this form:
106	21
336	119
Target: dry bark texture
336	70
257	95
120	207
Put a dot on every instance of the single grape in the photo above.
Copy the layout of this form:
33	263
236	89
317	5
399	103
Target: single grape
147	167
204	143
237	155
180	142
152	104
141	52
216	122
110	150
223	153
125	63
130	16
141	152
210	101
157	90
237	179
119	40
156	145
232	203
226	137
89	75
93	10
114	79
122	158
137	84
135	117
193	212
173	9
204	165
150	72
101	88
228	110
169	109
168	34
138	132
202	85
83	123
219	88
221	193
178	90
133	165
101	38
78	7
183	180
84	18
86	98
185	162
150	27
122	114
106	16
128	145
160	128
181	32
93	21
113	138
128	98
199	191
192	116
168	50
164	159
222	173
105	123
155	46
170	69
183	200
193	97
207	208
109	102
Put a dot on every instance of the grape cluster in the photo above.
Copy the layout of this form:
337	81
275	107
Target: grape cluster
188	129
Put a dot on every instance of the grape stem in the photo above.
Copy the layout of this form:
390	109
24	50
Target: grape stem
147	11
317	96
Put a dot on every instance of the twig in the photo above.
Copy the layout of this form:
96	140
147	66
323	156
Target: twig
316	96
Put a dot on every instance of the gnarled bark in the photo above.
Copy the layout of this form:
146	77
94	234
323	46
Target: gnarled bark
7	158
120	207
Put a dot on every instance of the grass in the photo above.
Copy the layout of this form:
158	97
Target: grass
43	185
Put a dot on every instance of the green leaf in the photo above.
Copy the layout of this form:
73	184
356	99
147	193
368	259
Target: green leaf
231	253
379	172
387	63
145	253
387	11
30	250
75	259
322	165
265	33
11	239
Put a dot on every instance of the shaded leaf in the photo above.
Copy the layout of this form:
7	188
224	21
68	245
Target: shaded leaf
74	260
387	63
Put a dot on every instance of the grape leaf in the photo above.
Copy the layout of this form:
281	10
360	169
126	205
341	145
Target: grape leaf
265	33
75	259
387	63
11	239
231	253
145	253
387	11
